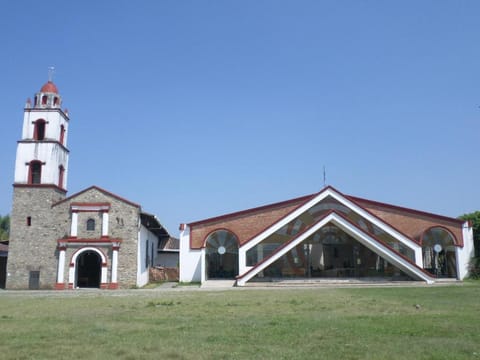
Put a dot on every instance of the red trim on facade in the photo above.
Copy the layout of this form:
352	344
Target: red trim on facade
204	242
70	286
90	204
62	134
38	133
62	248
59	286
103	286
75	240
455	241
113	286
98	189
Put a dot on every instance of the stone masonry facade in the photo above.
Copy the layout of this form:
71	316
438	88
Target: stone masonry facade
34	230
34	242
123	225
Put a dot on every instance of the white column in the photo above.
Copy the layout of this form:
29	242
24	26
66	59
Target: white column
61	266
114	264
105	223
419	256
242	261
203	266
74	227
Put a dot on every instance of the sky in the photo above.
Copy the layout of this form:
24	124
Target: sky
195	109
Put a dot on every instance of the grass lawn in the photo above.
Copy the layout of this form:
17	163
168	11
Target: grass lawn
323	323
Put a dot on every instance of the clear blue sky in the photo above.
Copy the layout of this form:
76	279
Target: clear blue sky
198	108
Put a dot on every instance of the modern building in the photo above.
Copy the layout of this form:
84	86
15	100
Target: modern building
327	235
91	239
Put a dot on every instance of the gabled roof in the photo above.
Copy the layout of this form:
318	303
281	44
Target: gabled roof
346	201
107	193
302	199
404	209
262	208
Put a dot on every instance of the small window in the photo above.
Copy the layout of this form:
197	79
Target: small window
90	225
62	134
61	172
35	175
29	221
39	130
44	100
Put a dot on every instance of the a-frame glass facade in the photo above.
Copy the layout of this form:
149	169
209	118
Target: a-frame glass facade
312	216
331	253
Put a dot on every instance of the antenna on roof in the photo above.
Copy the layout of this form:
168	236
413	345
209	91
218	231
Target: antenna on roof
324	176
51	71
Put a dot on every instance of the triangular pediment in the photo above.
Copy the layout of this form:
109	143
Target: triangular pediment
331	205
339	220
327	200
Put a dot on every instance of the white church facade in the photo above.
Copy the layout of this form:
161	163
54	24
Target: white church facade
93	239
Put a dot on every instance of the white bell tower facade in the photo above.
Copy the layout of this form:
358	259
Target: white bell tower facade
42	154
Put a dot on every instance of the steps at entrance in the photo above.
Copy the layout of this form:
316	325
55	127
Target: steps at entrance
218	284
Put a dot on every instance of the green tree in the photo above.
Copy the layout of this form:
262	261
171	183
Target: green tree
474	218
4	227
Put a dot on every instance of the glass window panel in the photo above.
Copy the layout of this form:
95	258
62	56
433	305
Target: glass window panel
313	215
331	253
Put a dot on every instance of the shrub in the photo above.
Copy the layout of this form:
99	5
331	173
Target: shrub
474	268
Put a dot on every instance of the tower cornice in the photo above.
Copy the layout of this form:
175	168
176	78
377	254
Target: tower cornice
48	110
32	141
41	186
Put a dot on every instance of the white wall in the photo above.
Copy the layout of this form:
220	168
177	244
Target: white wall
50	153
54	120
466	253
145	237
190	260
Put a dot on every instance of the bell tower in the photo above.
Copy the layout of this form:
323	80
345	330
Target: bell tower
40	180
42	154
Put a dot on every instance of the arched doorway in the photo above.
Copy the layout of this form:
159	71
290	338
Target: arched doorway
89	269
222	255
438	250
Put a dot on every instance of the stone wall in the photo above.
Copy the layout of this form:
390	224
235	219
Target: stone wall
33	243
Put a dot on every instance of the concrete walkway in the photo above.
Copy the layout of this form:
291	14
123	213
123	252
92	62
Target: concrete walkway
227	285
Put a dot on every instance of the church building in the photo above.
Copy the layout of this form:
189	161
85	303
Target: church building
327	235
91	239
